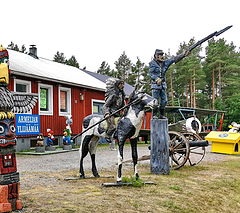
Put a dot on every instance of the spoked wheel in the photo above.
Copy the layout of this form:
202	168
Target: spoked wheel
197	153
178	150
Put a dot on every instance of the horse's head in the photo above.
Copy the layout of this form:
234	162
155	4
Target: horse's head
142	99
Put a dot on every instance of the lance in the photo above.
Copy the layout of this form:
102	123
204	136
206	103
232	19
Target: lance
217	33
117	111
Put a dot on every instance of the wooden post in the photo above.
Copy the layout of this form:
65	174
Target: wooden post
159	147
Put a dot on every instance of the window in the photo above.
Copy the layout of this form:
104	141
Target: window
64	101
22	86
97	106
45	99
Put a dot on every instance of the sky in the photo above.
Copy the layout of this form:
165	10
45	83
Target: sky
100	30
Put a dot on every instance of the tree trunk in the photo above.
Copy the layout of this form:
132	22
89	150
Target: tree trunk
194	90
219	82
213	90
171	85
159	160
191	92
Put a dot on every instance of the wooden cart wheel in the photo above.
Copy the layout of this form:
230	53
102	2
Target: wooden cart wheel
178	150
197	153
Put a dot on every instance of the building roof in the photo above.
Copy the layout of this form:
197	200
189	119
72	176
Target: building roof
127	87
25	65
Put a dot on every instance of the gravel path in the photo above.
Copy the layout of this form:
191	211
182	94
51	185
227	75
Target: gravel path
70	160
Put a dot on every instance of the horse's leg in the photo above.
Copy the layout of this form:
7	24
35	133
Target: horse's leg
134	156
92	150
84	151
120	160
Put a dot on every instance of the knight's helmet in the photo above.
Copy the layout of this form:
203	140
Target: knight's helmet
4	71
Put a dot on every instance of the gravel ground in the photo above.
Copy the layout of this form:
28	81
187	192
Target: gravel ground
104	159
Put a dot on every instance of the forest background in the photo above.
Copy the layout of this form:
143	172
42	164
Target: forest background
208	78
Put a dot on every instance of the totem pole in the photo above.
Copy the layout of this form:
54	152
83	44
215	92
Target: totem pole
10	103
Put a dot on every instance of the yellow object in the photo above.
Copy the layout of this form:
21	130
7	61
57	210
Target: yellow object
2	48
4	76
224	142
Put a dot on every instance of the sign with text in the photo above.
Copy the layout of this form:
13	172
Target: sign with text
27	124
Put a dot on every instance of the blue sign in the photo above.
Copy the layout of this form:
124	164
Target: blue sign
27	124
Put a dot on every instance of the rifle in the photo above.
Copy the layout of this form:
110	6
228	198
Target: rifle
217	33
128	105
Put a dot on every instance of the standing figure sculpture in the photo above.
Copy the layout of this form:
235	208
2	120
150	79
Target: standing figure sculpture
67	137
50	138
69	122
157	71
10	103
159	66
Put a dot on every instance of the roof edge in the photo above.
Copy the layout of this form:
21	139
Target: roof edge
54	80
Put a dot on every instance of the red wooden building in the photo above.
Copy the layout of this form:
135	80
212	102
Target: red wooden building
62	90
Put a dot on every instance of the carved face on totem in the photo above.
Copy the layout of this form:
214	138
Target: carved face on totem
7	129
4	71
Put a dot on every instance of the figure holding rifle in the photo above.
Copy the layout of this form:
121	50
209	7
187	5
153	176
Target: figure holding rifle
157	71
158	68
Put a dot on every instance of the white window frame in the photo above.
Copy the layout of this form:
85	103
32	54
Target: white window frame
98	101
50	99
27	83
69	105
28	88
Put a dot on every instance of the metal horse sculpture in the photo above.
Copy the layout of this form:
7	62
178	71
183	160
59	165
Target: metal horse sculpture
127	128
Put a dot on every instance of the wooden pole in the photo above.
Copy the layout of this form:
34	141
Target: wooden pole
159	160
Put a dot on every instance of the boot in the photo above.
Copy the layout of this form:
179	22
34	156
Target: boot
155	113
161	111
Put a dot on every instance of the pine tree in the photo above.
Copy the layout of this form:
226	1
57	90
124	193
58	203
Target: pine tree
222	70
16	48
105	69
59	57
23	49
72	62
187	79
139	76
11	46
123	67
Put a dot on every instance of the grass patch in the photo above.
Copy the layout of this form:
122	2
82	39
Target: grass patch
133	181
176	188
210	187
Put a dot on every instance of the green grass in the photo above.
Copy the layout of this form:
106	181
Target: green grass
208	187
133	181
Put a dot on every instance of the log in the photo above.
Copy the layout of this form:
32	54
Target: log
201	143
159	160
